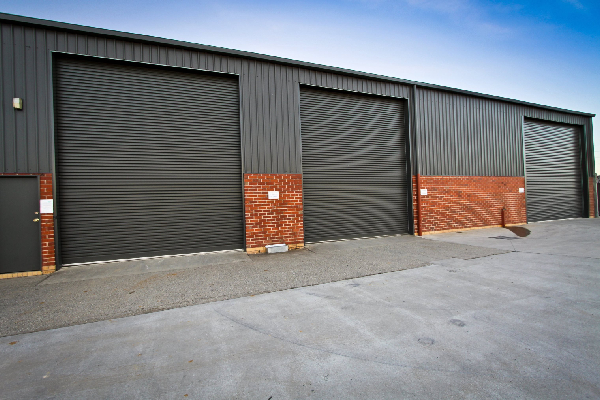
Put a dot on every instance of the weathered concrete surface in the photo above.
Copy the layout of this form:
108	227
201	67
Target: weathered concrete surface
578	237
514	325
138	267
91	293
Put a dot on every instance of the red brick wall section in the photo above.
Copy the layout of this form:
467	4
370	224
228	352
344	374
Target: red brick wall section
592	187
273	221
461	202
47	225
47	221
415	205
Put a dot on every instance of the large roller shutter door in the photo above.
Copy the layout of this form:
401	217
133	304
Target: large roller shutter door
353	165
148	161
553	171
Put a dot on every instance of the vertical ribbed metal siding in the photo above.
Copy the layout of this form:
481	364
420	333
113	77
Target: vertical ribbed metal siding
148	161
464	135
269	108
270	120
354	165
553	171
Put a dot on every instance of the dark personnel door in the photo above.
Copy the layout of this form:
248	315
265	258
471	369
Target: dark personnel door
20	247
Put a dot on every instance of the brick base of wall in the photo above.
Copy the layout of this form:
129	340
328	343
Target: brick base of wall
271	221
456	203
47	220
591	189
47	230
258	250
20	274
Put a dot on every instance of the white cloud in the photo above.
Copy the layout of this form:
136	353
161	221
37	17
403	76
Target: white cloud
575	3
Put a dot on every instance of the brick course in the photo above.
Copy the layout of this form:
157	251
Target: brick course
46	226
47	221
463	202
592	188
273	221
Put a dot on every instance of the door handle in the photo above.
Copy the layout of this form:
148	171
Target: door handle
36	220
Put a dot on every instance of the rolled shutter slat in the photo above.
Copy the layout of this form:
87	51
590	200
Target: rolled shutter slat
148	161
353	165
553	171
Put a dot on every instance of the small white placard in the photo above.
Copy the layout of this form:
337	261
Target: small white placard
423	192
521	190
273	195
46	206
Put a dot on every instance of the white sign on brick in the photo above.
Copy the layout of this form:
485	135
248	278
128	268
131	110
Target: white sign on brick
521	190
46	206
273	195
423	192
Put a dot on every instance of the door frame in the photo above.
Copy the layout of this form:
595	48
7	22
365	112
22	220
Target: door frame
52	62
409	131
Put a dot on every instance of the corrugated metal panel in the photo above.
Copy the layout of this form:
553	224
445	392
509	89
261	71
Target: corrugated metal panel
463	135
457	134
148	161
268	95
553	171
354	163
224	52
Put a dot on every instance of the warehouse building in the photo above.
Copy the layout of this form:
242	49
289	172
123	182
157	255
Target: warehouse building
120	146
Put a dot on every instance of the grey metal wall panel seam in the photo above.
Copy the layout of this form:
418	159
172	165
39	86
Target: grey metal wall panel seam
585	175
3	107
54	169
10	91
409	128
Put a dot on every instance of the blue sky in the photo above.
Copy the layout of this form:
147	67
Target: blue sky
545	52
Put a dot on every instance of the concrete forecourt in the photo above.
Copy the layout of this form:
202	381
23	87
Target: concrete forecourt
487	313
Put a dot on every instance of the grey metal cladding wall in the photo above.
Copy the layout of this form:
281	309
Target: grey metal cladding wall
270	120
24	73
470	136
484	139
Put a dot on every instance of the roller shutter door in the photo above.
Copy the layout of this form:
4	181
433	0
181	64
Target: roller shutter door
553	171
148	161
353	165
